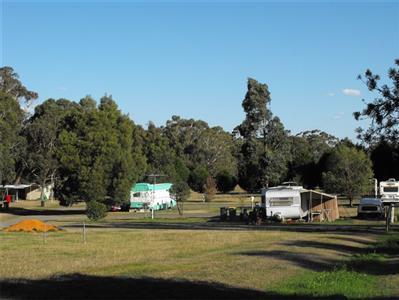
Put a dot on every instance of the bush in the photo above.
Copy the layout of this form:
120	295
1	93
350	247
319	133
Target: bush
197	179
181	191
225	181
95	210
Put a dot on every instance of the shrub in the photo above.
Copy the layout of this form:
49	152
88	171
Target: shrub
95	210
225	181
197	179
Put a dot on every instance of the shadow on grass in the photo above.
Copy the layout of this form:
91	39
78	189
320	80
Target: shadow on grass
308	261
78	286
327	246
18	211
367	260
338	229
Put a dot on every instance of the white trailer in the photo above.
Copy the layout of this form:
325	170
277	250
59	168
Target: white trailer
285	202
290	201
389	190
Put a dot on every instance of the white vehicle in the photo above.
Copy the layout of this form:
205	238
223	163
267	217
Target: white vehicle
152	196
389	190
285	202
370	207
291	201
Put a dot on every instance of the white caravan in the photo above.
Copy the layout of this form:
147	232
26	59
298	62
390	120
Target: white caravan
290	201
389	190
285	202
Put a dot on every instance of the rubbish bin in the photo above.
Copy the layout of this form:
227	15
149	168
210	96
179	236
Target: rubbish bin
232	214
223	214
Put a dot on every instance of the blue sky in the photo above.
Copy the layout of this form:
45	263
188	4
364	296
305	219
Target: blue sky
192	59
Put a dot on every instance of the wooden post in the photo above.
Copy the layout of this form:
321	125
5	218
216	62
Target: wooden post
84	233
311	205
321	208
393	214
388	217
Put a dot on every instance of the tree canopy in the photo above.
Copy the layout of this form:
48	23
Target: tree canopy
91	151
349	172
264	151
383	110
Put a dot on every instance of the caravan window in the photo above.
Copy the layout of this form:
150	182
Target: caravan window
136	195
281	201
390	189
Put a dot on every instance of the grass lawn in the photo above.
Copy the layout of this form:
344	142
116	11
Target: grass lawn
192	264
195	264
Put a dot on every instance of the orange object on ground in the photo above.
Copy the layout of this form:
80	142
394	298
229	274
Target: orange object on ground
31	226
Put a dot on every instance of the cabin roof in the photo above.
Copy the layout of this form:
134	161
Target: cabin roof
146	187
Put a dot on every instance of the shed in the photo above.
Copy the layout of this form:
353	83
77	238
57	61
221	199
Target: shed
27	191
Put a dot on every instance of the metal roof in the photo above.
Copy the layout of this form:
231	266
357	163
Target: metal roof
146	187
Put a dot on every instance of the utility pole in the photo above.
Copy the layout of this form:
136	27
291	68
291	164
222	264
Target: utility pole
154	182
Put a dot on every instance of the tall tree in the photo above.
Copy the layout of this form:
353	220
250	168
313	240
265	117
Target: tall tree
42	133
348	172
10	85
12	116
308	150
384	110
264	149
214	151
98	154
11	142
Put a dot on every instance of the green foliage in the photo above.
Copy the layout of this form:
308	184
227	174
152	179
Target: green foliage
348	172
225	181
97	152
11	142
195	143
309	151
197	179
42	133
181	191
96	210
264	152
384	110
10	85
385	158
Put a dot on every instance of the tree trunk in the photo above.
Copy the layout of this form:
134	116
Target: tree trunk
350	201
42	202
179	205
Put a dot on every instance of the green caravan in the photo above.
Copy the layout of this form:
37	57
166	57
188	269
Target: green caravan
151	196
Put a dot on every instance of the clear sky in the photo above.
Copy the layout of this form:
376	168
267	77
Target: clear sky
164	58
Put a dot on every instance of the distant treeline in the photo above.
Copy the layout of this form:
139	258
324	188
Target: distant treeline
92	151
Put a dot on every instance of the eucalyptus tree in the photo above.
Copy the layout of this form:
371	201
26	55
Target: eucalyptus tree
264	149
12	118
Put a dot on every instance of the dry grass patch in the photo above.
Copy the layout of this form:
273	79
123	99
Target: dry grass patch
236	258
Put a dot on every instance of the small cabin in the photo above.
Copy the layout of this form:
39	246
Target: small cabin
295	202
